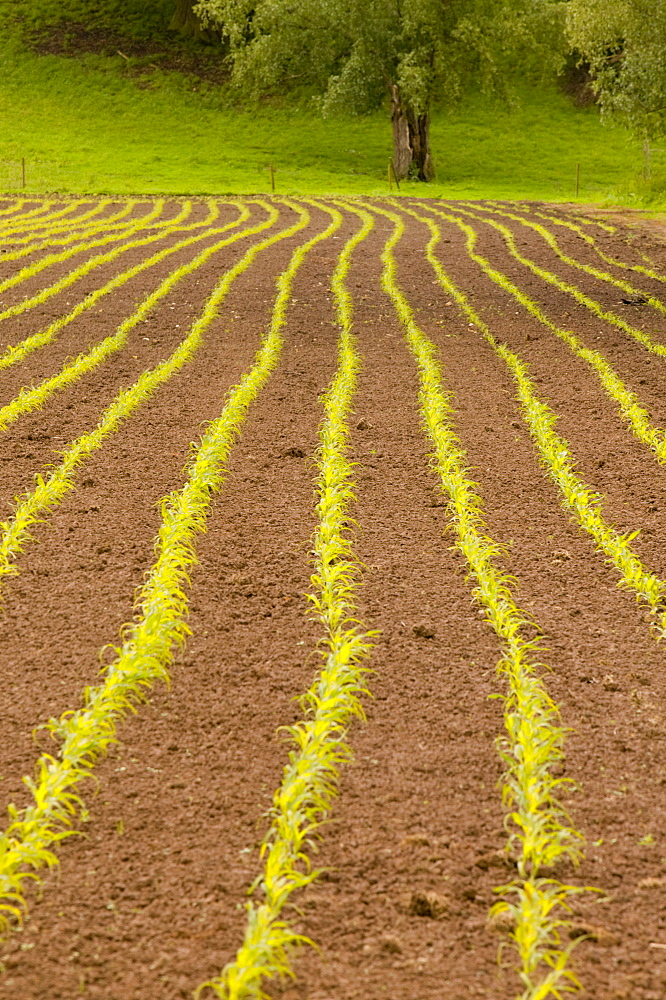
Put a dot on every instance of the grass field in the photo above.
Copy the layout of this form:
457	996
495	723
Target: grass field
104	123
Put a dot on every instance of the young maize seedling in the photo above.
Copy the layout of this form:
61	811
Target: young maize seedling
159	628
541	832
309	783
600	275
30	398
636	416
578	498
640	335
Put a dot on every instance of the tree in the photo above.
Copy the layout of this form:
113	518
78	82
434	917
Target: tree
355	53
624	42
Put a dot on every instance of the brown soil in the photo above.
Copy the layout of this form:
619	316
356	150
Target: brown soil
149	903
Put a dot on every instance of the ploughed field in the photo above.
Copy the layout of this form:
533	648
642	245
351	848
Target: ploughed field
333	588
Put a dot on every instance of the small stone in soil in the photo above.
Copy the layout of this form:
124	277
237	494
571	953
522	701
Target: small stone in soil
428	904
424	631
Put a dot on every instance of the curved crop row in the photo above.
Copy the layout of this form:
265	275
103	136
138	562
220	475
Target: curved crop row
640	335
64	221
34	213
600	275
33	397
150	641
57	258
63	231
650	271
61	235
309	784
86	267
577	497
14	207
30	508
606	226
590	240
530	210
533	746
17	352
53	218
630	409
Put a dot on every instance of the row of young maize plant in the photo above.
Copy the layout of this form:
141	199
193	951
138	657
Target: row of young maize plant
63	235
541	832
150	641
57	258
17	352
31	398
651	271
610	317
61	232
582	219
51	219
14	208
583	503
38	210
573	262
309	784
630	409
590	240
31	507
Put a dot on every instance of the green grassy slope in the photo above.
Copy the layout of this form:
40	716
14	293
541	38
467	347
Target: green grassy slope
100	123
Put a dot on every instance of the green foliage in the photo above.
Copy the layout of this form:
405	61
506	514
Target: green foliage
350	50
85	125
624	42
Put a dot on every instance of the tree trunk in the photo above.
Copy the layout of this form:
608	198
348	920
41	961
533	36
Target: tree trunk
419	137
402	149
411	140
186	22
